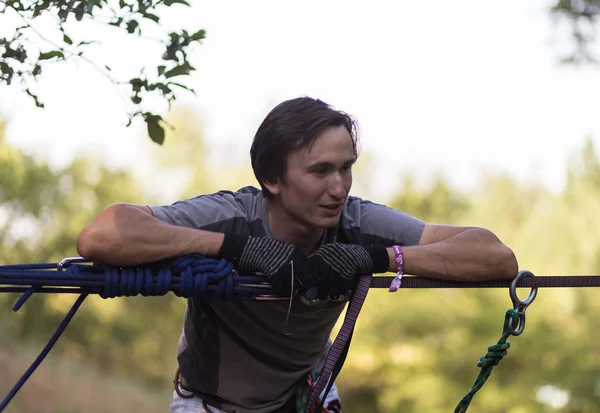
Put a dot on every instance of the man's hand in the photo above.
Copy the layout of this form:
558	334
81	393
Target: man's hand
336	266
285	265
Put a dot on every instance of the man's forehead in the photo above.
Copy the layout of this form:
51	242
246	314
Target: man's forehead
334	145
327	158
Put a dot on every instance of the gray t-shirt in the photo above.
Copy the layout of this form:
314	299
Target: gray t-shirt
236	354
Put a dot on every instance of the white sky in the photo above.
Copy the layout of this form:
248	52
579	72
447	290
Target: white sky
459	87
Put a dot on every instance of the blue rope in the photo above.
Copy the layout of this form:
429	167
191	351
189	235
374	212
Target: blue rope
187	276
63	325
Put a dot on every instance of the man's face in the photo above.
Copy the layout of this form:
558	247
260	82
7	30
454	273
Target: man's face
318	179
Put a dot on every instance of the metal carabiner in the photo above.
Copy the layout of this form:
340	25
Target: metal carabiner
519	305
65	262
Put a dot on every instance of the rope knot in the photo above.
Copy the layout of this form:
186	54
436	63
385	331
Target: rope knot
495	353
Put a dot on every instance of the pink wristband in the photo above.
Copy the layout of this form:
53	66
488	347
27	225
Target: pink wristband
400	265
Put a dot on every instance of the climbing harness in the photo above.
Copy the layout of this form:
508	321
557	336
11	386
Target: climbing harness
198	276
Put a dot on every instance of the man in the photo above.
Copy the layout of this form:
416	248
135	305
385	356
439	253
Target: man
304	232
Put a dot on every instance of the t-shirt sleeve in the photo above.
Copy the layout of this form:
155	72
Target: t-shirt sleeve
217	212
380	224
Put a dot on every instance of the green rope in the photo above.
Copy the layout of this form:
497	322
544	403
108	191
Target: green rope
486	363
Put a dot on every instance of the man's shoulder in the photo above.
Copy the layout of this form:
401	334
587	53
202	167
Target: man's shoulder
243	197
247	198
357	202
215	210
247	202
377	223
356	207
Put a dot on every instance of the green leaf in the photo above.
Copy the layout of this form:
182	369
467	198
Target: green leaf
63	14
79	11
136	84
165	89
199	35
156	132
90	4
116	22
39	8
171	2
52	54
152	17
67	39
182	86
5	68
131	26
183	69
35	98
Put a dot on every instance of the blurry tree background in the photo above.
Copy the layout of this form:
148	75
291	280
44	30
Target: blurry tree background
41	213
413	351
417	351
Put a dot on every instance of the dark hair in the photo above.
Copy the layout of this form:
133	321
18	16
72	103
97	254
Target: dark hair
293	124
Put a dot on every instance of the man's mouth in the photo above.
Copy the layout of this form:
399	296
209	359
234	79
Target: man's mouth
332	207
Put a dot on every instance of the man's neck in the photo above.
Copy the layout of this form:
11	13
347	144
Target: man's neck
290	229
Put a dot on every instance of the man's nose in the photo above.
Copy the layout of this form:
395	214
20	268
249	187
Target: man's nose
336	187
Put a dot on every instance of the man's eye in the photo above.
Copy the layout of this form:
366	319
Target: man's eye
321	172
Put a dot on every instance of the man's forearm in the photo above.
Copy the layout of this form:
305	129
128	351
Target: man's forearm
472	255
126	235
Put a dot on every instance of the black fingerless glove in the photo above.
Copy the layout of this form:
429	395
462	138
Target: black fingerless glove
273	258
347	260
337	265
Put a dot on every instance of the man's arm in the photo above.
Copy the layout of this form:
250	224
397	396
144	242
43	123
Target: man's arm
129	235
126	235
458	253
443	252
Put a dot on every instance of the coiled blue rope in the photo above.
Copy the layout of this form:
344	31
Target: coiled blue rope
187	276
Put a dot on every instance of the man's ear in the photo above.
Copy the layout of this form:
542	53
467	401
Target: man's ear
273	187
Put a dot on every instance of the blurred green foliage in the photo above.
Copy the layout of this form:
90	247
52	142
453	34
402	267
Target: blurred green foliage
413	351
416	350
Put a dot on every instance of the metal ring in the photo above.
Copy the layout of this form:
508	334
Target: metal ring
521	305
